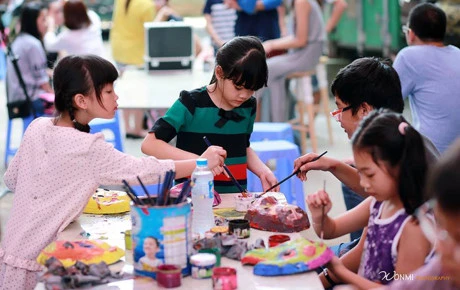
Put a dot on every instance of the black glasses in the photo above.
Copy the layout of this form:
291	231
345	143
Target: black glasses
337	114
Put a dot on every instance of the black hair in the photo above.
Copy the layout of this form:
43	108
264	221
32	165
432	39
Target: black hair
428	22
444	179
244	62
155	239
29	15
379	135
80	74
370	80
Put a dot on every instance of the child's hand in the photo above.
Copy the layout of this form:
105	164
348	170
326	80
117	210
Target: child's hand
305	164
268	179
215	156
336	266
315	203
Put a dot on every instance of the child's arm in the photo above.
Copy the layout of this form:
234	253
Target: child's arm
350	221
211	31
342	171
344	275
350	260
413	248
162	150
257	167
110	166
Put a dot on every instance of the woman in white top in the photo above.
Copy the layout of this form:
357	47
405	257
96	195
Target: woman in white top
83	33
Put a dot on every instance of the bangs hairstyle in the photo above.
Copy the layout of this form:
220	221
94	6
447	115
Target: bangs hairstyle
244	62
378	135
81	74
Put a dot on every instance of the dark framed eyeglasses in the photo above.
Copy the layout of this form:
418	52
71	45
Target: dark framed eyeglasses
337	114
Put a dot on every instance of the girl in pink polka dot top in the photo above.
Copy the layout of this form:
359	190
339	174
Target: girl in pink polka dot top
59	166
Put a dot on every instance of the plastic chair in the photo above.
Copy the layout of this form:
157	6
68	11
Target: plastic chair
113	125
284	153
272	131
9	149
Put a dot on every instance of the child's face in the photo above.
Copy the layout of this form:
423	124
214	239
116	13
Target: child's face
109	100
233	96
150	247
347	120
448	245
376	180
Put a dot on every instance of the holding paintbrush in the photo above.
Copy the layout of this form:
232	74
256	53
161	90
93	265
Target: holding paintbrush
224	111
72	165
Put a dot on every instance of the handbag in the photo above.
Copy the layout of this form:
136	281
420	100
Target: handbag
19	109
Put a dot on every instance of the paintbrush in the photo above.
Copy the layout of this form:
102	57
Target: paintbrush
291	175
139	201
243	191
146	191
322	215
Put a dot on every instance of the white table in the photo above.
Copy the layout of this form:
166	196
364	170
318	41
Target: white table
138	89
110	228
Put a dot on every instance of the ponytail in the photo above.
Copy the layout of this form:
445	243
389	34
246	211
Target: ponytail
388	137
413	170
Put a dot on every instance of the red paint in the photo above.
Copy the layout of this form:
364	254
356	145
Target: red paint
275	240
224	278
169	276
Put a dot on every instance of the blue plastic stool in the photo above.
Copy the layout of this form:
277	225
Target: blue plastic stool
101	125
9	149
272	131
284	153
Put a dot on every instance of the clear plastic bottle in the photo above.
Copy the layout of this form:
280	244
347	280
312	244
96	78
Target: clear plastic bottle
202	197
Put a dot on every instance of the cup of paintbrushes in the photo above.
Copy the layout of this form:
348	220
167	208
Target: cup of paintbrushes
160	229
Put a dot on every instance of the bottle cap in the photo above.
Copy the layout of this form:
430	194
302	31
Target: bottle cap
202	162
203	259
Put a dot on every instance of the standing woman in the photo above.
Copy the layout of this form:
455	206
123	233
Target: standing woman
305	44
32	63
83	34
128	43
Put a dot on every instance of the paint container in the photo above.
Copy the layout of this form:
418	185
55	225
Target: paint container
224	278
215	252
169	276
161	235
275	240
242	203
240	228
202	265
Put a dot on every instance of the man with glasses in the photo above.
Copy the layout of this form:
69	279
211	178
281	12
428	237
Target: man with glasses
430	74
362	86
441	272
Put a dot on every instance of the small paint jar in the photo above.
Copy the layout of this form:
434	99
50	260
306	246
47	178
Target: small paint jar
242	203
214	251
128	241
275	240
224	278
240	228
168	276
202	265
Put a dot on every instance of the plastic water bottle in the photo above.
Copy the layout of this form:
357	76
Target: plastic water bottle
202	197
